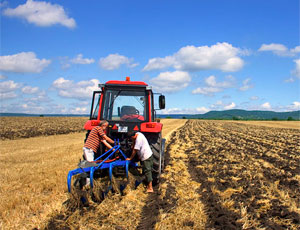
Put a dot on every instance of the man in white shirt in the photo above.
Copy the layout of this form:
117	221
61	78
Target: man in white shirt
142	148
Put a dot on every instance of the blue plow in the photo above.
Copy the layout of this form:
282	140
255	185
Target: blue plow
107	163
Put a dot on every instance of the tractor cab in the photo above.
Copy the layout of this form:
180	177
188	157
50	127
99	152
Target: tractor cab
126	105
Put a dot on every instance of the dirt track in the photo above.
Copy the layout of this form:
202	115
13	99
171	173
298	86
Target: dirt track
218	176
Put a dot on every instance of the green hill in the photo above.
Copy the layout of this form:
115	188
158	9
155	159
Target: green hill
248	115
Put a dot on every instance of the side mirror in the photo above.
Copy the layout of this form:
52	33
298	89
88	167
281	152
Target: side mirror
162	102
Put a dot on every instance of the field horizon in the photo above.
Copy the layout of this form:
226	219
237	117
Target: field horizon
231	114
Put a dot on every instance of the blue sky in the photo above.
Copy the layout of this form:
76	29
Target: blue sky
202	55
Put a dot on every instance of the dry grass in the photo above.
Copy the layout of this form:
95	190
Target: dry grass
169	125
33	177
185	210
218	174
33	181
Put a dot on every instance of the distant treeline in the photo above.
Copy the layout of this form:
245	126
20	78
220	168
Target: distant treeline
237	114
233	114
235	118
41	115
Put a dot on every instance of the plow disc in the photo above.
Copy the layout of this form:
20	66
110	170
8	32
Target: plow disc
101	176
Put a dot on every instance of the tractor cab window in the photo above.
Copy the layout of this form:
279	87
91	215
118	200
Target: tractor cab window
125	105
95	105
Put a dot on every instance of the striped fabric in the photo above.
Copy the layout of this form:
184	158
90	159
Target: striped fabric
94	138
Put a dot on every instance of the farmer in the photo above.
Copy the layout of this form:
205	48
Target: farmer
96	136
142	148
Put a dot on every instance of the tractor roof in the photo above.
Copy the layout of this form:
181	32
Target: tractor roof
127	82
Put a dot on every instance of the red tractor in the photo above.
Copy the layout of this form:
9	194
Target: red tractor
129	106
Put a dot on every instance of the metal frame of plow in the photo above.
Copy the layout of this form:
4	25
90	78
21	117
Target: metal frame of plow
103	165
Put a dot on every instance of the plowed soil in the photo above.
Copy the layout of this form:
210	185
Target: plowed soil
249	175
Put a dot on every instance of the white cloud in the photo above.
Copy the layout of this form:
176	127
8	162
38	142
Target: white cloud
202	109
25	62
80	60
296	50
8	88
296	71
2	77
246	85
292	107
79	90
212	82
217	105
30	90
222	56
295	105
41	14
57	108
207	90
81	103
39	96
279	49
34	107
230	106
199	110
212	86
64	62
160	63
8	95
62	83
291	79
276	48
254	98
79	107
266	105
79	110
114	61
169	82
282	108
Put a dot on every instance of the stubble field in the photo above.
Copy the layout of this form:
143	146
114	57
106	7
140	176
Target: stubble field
218	175
25	127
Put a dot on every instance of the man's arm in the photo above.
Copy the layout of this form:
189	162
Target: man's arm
106	144
132	155
108	139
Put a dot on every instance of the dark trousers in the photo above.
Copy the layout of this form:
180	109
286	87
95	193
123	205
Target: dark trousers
147	166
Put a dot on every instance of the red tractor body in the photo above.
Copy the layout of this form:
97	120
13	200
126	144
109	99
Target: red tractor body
129	106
